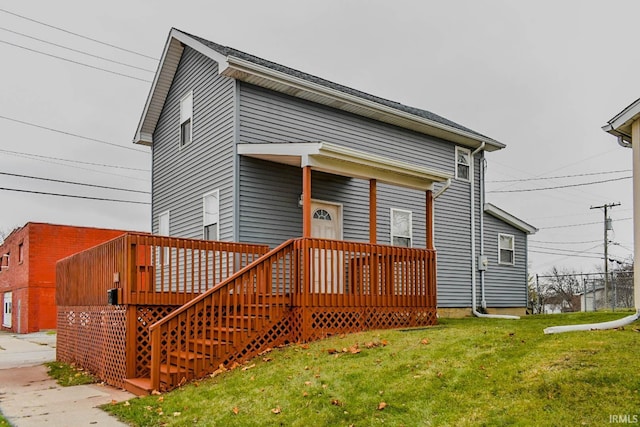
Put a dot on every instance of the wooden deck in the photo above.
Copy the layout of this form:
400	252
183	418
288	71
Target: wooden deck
187	306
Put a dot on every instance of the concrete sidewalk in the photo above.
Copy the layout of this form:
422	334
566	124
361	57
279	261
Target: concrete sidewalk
29	397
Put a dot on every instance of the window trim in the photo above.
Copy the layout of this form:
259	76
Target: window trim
468	153
204	223
392	235
186	119
512	249
20	252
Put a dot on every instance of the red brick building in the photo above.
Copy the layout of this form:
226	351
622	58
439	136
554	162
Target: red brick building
28	271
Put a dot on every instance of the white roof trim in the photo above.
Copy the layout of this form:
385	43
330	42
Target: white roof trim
620	124
339	160
509	219
246	70
239	68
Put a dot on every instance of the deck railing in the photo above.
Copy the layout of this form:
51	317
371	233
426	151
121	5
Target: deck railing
147	269
305	284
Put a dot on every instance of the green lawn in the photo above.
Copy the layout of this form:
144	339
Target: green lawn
461	372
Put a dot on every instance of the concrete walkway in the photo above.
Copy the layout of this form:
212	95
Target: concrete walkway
29	397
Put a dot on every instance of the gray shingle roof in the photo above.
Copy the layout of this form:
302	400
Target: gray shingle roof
229	51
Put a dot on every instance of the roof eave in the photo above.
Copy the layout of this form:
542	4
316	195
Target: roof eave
260	75
509	219
620	124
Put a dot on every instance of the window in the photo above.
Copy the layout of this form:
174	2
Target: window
463	162
4	261
401	228
506	251
186	119
211	215
20	253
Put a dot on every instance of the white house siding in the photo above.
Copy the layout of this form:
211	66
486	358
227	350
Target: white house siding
181	176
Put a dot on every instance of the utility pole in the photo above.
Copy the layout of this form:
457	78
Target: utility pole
607	227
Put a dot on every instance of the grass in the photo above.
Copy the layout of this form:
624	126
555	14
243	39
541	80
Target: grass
461	372
3	421
69	375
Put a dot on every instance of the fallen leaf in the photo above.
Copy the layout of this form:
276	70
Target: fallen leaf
336	402
332	350
156	393
305	394
276	410
307	383
235	410
196	384
482	368
234	366
246	368
370	344
354	349
425	341
439	374
127	403
381	406
148	408
325	385
161	399
384	342
177	414
113	401
304	346
268	350
266	359
317	375
344	349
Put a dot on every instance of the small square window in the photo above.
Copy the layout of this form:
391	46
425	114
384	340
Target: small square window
463	163
186	119
506	250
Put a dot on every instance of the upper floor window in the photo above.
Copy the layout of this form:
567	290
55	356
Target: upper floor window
211	215
4	261
401	228
463	162
506	249
186	119
20	253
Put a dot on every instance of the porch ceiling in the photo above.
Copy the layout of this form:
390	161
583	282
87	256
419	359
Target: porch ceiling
339	160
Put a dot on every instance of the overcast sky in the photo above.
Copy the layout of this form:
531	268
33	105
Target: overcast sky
540	76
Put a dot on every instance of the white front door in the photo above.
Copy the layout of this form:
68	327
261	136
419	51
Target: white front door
328	268
6	310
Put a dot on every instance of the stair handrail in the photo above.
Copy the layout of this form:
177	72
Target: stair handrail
220	285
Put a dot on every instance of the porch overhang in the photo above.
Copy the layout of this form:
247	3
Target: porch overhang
339	160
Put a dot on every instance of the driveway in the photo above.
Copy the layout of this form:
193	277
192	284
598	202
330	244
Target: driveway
29	397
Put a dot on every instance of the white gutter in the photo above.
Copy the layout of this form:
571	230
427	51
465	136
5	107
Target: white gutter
473	243
483	301
443	189
594	326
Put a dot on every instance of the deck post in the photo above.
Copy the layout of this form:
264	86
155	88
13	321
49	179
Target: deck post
429	219
306	201
373	206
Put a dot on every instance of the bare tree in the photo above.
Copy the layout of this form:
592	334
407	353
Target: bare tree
562	287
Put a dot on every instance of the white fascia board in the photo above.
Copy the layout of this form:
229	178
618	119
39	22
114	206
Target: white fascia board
244	66
339	160
620	124
145	138
509	219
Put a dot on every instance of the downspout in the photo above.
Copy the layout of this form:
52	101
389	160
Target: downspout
625	320
446	186
473	241
483	301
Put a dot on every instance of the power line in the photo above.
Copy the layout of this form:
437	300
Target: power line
19	153
558	177
72	134
74	196
74	62
77	167
562	243
561	186
78	35
73	183
565	255
566	251
77	50
578	225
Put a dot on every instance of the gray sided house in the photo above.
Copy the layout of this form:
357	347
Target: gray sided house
231	135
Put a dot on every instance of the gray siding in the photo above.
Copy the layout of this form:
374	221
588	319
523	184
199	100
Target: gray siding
266	116
181	176
505	285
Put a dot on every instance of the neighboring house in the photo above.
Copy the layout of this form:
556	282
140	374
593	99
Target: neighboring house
28	271
626	127
236	139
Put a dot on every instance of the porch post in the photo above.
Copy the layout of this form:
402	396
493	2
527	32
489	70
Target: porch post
429	219
306	201
373	206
